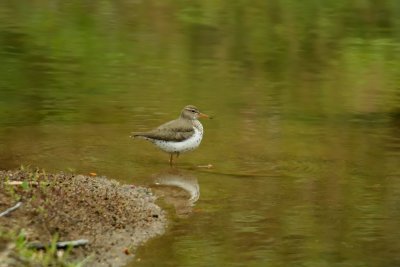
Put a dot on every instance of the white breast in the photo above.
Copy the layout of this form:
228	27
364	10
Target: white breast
183	146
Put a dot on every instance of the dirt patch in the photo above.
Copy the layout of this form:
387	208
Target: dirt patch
114	218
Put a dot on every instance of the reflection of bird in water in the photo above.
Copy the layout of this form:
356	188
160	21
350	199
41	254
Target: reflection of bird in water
177	188
177	136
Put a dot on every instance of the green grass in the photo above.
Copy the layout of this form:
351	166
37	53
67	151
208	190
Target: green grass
14	246
15	251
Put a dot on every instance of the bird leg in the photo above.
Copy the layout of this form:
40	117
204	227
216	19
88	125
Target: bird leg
171	158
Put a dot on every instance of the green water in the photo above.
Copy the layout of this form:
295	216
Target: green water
305	142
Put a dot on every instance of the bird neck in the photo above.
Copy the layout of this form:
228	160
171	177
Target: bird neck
198	125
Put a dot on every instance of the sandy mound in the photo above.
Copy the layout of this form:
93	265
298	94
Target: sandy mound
114	218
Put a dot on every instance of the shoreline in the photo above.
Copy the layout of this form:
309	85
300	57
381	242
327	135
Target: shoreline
113	217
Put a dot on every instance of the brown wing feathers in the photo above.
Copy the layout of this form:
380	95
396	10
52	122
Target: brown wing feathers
176	130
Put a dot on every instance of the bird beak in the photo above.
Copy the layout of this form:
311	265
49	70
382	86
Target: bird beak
202	115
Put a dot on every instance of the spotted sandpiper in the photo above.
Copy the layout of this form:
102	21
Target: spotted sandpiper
177	136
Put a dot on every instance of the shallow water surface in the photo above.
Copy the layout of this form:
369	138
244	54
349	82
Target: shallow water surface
305	143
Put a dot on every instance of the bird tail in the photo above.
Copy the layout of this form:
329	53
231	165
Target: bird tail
137	135
134	135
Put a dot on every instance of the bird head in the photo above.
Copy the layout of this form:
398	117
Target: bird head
192	113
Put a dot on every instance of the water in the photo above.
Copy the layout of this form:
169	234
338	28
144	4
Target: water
305	142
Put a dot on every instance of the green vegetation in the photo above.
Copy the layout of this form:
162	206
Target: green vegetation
55	57
15	251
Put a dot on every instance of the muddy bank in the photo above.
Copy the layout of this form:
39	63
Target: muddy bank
114	218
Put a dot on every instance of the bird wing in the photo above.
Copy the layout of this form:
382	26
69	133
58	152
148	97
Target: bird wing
176	130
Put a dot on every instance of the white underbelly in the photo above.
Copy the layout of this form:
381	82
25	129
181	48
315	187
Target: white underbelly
183	146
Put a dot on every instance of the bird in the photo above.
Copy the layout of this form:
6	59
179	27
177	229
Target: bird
177	136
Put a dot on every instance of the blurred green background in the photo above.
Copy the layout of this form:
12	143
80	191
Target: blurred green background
306	137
